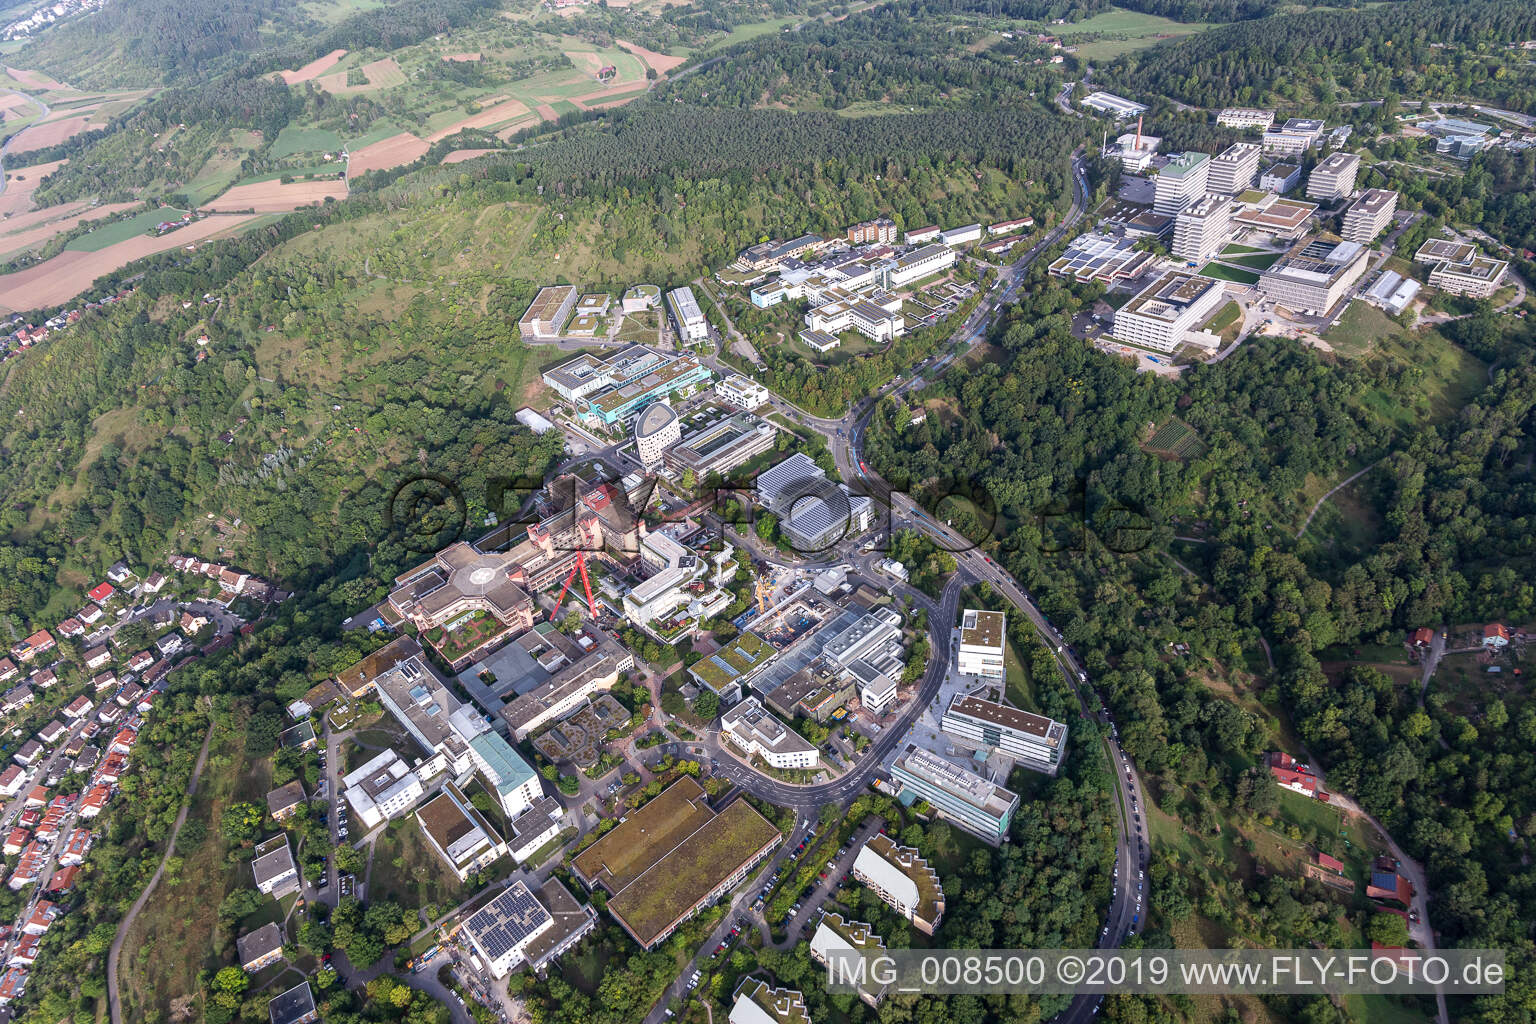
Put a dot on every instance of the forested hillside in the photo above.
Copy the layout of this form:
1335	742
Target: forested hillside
1046	418
1411	48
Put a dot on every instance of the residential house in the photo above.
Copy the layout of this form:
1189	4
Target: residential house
283	801
260	948
295	1006
97	657
101	593
1495	636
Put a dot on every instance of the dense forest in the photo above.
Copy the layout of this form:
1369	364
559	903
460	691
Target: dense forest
1413	48
1048	425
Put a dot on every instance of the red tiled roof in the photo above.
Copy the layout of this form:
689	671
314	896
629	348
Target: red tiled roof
100	592
1495	629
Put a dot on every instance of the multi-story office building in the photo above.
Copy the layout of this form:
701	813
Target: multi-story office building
1334	177
1280	178
1180	182
739	389
1169	312
1296	136
548	312
1032	740
585	375
974	803
1369	215
1314	275
1245	117
1202	228
903	879
751	729
521	926
1478	277
878	319
870	637
640	298
721	445
691	324
920	263
983	636
383	788
1233	169
675	377
657	429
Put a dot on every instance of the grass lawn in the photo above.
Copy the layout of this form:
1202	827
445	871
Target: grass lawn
405	869
741	33
1222	273
122	230
1120	31
292	140
1385	1010
296	173
1235	249
1451	376
1225	317
1255	261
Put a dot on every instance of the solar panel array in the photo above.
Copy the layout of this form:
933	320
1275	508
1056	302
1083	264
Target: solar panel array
508	920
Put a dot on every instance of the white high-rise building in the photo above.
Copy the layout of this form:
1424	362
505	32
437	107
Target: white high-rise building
1202	228
1334	177
1234	168
1369	215
981	644
1169	312
1180	182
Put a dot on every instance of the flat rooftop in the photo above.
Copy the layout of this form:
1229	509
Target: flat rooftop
1007	717
548	302
636	844
1373	200
1168	297
982	628
690	871
983	794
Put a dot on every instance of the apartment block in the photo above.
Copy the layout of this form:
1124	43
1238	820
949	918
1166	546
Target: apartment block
1169	313
1334	177
903	879
1202	228
1180	182
1369	215
739	389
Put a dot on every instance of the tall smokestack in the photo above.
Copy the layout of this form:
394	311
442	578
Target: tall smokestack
1138	134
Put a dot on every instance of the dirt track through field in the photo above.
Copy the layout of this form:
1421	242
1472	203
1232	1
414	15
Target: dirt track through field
314	69
277	197
70	273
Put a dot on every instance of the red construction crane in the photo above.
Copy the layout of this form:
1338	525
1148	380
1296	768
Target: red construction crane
580	566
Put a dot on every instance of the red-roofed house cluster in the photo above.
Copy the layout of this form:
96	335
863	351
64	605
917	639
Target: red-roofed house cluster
1295	776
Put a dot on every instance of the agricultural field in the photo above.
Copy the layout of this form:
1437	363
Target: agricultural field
293	140
31	231
123	230
1175	440
57	280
